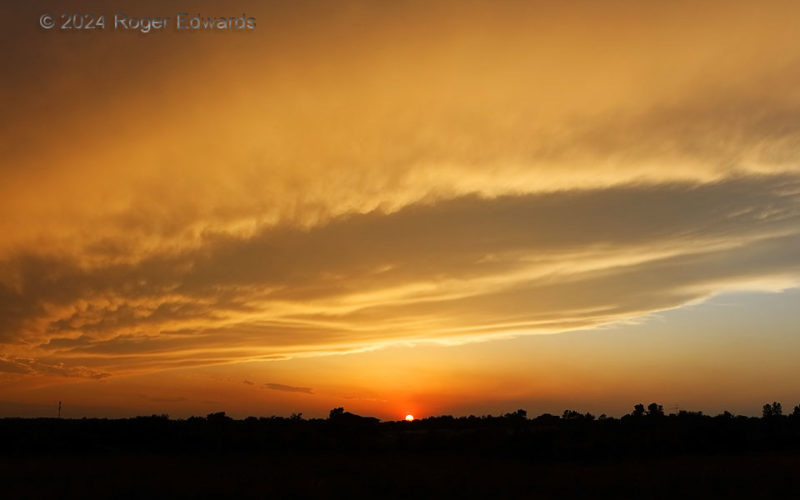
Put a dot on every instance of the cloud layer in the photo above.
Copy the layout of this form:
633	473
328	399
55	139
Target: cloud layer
452	270
388	173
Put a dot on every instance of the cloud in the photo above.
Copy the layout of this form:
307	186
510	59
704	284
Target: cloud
11	365
288	388
396	184
454	270
381	119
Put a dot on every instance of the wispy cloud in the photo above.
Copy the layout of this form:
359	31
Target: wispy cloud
39	367
469	267
288	388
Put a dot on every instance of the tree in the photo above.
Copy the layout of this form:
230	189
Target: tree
655	410
772	410
218	417
336	412
638	410
517	415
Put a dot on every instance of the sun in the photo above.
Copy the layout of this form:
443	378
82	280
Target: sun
409	418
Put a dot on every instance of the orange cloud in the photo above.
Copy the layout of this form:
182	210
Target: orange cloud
344	179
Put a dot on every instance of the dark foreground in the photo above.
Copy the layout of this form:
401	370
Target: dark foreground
400	475
643	456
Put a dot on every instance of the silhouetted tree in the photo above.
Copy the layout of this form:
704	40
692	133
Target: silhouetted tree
638	410
518	415
655	410
796	411
218	417
546	418
772	410
336	412
576	415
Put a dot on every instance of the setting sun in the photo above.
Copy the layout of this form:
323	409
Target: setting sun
409	418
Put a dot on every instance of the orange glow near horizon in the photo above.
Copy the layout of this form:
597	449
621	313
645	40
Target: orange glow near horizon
458	207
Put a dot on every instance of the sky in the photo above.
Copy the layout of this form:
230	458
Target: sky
460	207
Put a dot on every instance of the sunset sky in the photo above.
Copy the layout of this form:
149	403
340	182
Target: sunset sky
424	207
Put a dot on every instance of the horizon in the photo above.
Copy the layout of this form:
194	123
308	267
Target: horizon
792	412
424	208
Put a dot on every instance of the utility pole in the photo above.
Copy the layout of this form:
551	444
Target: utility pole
59	409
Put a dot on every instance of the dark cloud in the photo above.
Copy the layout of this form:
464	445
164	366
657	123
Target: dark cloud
288	388
7	366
